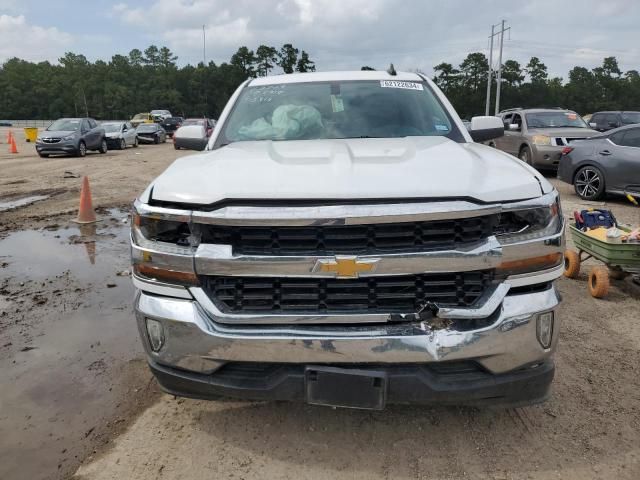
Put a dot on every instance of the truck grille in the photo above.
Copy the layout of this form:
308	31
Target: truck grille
393	294
351	239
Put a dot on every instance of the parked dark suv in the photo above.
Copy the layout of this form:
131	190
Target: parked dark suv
603	121
73	136
171	124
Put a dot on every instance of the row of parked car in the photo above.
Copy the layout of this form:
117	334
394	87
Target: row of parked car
76	136
597	157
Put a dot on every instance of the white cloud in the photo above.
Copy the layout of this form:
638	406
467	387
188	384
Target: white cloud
31	42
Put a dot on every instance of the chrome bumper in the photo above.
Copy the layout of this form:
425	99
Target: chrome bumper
195	341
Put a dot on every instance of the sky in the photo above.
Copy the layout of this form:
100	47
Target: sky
338	34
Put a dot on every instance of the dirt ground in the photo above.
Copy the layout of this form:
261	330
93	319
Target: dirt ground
75	390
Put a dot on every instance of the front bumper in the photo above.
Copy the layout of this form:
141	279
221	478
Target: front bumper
191	143
546	156
513	367
56	148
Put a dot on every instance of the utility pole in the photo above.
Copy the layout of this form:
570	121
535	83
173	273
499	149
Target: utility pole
499	78
490	73
204	47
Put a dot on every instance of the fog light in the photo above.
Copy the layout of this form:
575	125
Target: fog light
544	329
155	333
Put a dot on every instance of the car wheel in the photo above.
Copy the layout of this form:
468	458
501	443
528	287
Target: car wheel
103	146
156	140
135	143
176	146
123	144
82	149
43	155
589	183
525	155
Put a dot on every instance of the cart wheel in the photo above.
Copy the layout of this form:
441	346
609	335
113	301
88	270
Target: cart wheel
599	282
617	273
571	264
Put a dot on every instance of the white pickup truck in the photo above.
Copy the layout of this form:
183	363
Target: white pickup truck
344	241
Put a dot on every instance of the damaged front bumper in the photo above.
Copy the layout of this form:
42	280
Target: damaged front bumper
496	360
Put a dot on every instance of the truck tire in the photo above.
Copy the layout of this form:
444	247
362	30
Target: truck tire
589	183
525	155
599	282
82	149
571	264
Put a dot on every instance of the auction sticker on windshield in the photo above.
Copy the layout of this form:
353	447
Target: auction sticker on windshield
398	84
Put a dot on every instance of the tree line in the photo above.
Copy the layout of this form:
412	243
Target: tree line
587	90
134	83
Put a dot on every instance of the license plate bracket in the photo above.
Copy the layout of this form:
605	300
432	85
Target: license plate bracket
347	388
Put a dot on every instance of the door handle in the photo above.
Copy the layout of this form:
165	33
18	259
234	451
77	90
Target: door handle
605	152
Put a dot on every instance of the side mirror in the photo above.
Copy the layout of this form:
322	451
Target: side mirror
593	124
514	126
486	128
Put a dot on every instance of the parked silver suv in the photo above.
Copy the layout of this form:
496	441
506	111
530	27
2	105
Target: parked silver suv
537	136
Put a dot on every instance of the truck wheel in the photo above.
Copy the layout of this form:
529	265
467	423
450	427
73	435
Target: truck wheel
525	155
589	183
599	282
103	146
82	149
571	264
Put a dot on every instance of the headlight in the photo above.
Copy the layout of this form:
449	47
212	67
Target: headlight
163	249
541	140
530	223
170	236
68	137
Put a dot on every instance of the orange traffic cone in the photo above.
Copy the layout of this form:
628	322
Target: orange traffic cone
13	148
86	213
9	135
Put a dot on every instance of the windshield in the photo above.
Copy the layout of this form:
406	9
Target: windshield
147	127
630	117
559	119
193	121
111	127
349	109
65	124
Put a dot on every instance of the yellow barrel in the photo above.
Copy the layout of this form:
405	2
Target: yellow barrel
31	133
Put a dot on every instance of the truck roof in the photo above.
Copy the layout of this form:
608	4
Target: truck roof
335	77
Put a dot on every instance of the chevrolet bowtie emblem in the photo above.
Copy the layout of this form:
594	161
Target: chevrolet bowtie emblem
345	267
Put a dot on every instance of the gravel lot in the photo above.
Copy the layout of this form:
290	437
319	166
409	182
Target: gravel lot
76	391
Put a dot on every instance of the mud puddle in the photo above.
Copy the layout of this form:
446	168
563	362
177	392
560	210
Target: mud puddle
21	202
72	368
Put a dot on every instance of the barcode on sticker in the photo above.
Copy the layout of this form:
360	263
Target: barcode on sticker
398	84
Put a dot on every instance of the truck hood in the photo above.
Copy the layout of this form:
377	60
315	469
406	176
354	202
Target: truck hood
570	132
57	133
411	167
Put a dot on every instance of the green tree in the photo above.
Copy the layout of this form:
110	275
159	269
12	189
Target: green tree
305	64
536	70
266	57
246	60
288	57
